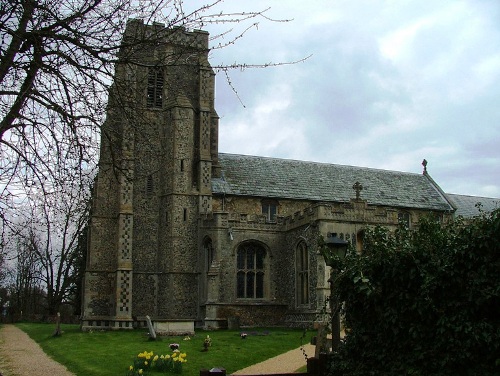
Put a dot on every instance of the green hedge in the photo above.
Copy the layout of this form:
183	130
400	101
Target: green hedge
423	302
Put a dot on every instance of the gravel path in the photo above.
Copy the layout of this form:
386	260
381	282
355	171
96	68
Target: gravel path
288	362
21	356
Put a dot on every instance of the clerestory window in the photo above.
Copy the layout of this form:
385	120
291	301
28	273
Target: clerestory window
404	219
270	210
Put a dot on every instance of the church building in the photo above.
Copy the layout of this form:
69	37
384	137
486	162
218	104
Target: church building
192	237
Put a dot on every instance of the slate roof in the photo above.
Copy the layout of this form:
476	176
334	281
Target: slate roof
245	175
466	205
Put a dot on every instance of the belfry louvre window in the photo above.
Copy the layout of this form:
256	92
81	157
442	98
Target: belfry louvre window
250	271
155	87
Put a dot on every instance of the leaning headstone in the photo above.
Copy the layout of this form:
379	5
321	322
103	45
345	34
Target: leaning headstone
152	333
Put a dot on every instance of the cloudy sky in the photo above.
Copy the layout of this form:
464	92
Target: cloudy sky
388	83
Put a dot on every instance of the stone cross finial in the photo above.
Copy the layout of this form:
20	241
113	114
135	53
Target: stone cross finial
424	163
358	188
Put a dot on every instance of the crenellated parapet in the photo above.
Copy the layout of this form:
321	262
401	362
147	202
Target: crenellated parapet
352	212
160	33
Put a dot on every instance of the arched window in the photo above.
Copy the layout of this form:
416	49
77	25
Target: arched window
302	277
209	252
250	264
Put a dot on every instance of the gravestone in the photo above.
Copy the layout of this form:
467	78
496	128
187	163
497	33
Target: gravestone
152	333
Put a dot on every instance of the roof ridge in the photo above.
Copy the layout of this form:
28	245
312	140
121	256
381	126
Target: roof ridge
321	163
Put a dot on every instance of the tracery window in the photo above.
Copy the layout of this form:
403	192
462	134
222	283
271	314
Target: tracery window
302	270
250	265
155	87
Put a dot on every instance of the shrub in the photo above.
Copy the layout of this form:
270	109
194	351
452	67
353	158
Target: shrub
423	302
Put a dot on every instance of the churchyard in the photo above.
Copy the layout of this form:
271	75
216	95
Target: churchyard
114	352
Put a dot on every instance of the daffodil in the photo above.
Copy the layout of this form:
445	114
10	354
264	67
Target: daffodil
140	371
155	358
131	368
146	363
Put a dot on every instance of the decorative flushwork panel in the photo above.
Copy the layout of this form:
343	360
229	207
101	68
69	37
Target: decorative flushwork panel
126	191
125	236
124	292
205	133
206	86
206	177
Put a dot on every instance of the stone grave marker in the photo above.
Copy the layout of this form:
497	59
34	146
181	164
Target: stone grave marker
152	333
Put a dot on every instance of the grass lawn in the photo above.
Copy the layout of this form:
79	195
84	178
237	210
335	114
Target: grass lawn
112	352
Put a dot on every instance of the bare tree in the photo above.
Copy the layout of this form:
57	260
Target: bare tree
57	64
26	293
56	222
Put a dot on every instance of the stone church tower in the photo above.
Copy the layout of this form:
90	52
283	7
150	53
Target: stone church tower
158	153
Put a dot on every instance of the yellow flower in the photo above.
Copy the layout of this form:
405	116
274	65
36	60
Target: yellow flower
140	371
162	357
167	356
155	358
183	355
131	368
174	355
145	363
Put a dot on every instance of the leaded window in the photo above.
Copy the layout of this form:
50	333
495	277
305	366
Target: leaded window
404	219
250	264
302	278
270	210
